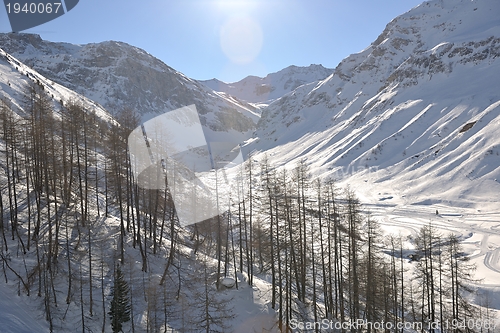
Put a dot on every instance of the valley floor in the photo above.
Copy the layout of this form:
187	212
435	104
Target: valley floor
478	231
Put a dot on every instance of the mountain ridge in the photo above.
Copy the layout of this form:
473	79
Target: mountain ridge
263	90
118	75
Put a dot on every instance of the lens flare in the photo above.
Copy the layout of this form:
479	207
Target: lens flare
241	39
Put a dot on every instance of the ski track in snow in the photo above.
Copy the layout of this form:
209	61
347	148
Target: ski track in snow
466	224
491	260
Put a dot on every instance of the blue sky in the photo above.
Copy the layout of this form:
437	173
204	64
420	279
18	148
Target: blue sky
228	39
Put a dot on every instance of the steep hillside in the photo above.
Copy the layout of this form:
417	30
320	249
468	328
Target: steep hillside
418	111
262	91
117	75
14	76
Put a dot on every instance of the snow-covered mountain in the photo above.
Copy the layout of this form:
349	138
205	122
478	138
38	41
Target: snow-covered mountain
420	105
260	90
413	118
117	75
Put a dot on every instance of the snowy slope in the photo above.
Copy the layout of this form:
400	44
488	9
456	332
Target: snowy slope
263	90
14	75
420	105
17	315
117	75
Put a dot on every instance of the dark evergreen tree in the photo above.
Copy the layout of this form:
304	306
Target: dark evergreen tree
120	304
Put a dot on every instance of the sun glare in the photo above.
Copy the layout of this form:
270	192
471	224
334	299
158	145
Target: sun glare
235	6
241	39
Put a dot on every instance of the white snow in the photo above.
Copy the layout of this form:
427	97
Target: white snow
13	78
17	316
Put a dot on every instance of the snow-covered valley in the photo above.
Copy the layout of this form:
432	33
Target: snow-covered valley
409	125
